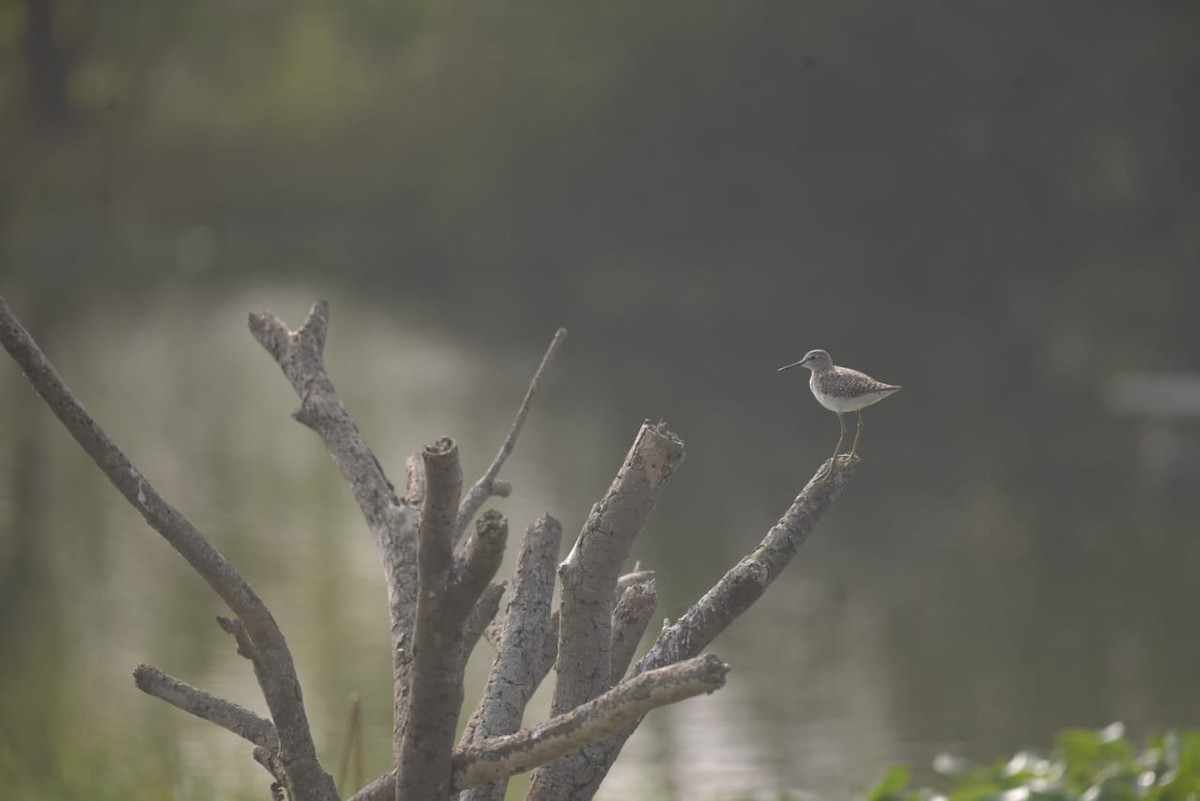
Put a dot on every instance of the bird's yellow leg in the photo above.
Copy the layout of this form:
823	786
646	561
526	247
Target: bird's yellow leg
836	448
857	434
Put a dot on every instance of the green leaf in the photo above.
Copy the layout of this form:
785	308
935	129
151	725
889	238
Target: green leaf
891	786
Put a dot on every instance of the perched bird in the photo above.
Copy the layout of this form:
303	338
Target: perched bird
841	390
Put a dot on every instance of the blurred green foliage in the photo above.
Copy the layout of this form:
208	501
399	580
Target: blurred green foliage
1086	764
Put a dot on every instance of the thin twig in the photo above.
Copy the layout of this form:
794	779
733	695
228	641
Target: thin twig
486	486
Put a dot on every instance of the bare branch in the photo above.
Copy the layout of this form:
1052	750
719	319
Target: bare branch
487	485
299	355
746	581
733	594
391	520
500	757
494	632
518	668
478	563
443	485
482	615
589	579
589	574
436	680
549	650
226	714
274	668
631	617
447	590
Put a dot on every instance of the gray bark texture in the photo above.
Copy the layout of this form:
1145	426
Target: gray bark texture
517	669
226	714
589	574
391	520
448	588
482	615
631	618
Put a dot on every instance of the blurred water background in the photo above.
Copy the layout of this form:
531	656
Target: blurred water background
997	206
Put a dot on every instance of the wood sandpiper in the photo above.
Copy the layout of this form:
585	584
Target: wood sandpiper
841	390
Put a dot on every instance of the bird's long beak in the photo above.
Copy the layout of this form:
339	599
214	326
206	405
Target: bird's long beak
790	366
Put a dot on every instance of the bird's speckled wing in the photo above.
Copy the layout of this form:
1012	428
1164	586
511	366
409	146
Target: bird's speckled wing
847	382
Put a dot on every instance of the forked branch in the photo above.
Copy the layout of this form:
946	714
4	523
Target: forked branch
732	595
448	588
391	520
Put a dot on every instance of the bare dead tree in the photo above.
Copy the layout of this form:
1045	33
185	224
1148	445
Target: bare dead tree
442	601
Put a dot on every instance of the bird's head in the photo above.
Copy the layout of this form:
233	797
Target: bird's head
815	360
